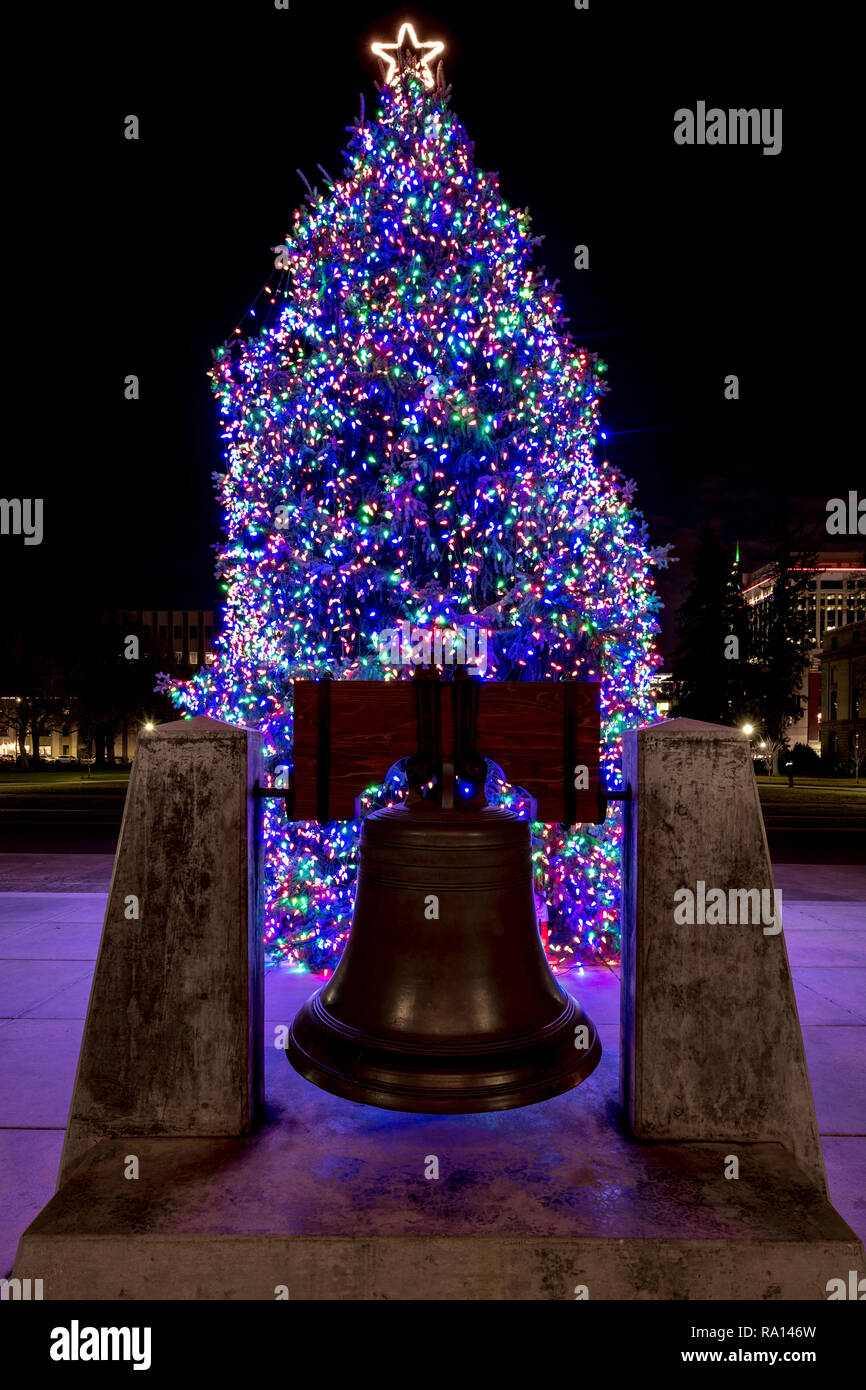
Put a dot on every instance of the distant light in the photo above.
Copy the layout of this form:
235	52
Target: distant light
149	728
747	729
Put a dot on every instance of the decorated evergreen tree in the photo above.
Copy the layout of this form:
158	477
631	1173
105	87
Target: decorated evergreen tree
712	660
411	437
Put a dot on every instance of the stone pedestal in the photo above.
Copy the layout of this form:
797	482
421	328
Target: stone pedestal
173	1038
711	1042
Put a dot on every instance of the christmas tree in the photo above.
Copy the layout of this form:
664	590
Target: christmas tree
411	437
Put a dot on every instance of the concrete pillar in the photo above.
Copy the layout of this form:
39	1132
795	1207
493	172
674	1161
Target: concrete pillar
711	1042
173	1042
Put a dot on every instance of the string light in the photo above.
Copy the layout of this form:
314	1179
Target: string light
412	438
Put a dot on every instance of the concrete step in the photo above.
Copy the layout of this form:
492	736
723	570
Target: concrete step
331	1201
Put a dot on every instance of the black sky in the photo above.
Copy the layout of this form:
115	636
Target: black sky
140	257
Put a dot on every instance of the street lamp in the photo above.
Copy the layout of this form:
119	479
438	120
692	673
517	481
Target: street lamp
748	729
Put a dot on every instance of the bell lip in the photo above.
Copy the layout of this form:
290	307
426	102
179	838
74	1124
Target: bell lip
466	1102
427	1090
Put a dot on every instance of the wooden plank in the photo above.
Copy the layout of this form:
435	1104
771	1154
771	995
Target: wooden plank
537	731
372	725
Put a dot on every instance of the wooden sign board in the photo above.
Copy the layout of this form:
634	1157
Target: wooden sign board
543	734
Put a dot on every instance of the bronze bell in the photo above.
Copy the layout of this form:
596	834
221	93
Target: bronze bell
443	1001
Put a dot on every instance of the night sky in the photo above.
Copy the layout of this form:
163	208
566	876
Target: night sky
145	255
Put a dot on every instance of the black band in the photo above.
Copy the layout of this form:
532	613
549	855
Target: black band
323	762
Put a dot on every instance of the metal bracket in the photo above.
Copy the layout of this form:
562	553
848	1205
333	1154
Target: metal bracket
285	794
605	796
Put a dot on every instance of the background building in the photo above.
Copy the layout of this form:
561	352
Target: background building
835	593
843	695
100	713
665	691
834	597
178	640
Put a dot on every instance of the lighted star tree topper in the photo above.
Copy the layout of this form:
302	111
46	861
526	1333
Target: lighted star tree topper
406	51
411	437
